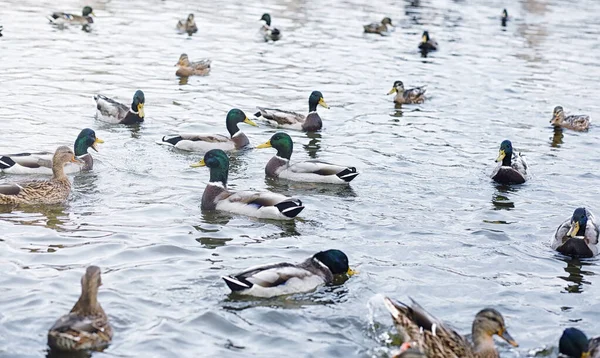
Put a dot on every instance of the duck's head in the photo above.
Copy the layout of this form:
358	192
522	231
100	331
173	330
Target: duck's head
387	21
506	151
87	11
234	117
336	261
63	155
578	223
190	18
183	60
91	280
558	114
137	105
266	18
425	37
316	98
218	163
397	88
86	139
574	343
489	322
282	142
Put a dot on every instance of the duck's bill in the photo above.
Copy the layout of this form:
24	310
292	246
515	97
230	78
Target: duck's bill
141	110
585	355
97	141
424	39
507	337
351	272
267	144
250	122
92	13
199	164
501	156
574	230
74	160
393	90
322	103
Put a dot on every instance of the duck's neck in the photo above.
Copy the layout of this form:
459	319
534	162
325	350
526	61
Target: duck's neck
285	152
483	344
58	171
507	159
312	107
219	175
80	148
87	303
581	231
232	128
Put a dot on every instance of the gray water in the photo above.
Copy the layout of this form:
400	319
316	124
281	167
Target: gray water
422	219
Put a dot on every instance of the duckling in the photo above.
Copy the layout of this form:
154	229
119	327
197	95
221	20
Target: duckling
86	327
285	278
576	122
112	111
504	18
427	44
512	168
381	28
578	235
575	344
292	120
410	96
313	171
263	205
187	68
53	191
197	142
62	18
268	32
437	340
187	25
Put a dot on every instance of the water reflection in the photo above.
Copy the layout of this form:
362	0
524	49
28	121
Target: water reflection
557	137
300	189
501	199
314	145
183	81
51	216
59	354
413	11
576	278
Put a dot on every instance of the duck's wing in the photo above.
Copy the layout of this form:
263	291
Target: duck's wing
173	139
415	93
591	230
519	164
108	107
324	169
272	275
25	161
280	116
10	189
560	234
202	64
263	204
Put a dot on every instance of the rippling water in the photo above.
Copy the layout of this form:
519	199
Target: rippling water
422	220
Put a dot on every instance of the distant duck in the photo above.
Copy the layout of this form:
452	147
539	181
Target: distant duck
1	28
378	28
292	120
512	168
427	44
578	235
268	32
410	96
504	17
187	68
187	25
63	18
575	344
111	111
576	122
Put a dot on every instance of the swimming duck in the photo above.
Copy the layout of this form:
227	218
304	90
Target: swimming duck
268	32
197	142
312	171
86	327
187	25
53	191
263	205
292	120
41	162
575	344
436	340
576	122
187	68
1	28
427	44
112	111
381	28
410	96
504	18
62	18
578	235
285	278
512	168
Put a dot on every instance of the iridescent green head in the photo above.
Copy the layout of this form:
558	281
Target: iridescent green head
578	223
335	260
574	343
266	18
137	105
506	152
86	139
316	98
234	117
87	11
282	142
218	163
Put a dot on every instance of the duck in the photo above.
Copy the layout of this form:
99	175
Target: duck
512	168
187	68
86	326
575	344
41	162
62	18
53	191
410	96
262	205
577	236
504	18
269	33
198	142
286	278
311	171
427	44
1	28
292	120
112	111
434	338
187	25
378	28
576	122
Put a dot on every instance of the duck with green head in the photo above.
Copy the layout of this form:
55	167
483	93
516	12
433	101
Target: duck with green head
379	28
111	111
512	168
187	25
504	18
427	44
63	18
576	122
577	236
575	344
269	33
410	96
312	171
292	120
263	205
202	142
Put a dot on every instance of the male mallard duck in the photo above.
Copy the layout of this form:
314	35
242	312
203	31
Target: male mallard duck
427	44
381	28
53	191
112	111
195	142
575	344
576	122
268	32
578	235
410	96
187	68
62	18
437	340
512	168
285	278
86	327
504	18
41	162
312	171
264	205
292	120
187	25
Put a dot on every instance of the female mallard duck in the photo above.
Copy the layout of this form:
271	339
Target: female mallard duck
196	142
292	120
264	205
112	111
187	25
285	278
41	162
312	171
436	340
512	168
53	191
86	327
268	32
427	44
578	235
410	96
504	18
381	28
187	68
576	122
62	18
575	344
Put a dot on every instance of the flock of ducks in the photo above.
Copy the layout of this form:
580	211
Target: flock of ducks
86	326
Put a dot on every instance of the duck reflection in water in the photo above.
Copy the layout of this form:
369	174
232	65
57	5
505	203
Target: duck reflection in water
501	199
576	276
314	145
183	80
557	137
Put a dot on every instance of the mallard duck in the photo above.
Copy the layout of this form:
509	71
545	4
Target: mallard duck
41	162
197	142
504	18
187	68
112	111
575	344
285	278
576	122
86	327
512	168
578	235
268	32
437	340
62	18
292	120
312	171
378	28
187	25
410	96
53	191
264	205
427	44
1	28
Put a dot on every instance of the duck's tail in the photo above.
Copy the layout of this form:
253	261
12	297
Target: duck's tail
347	174
290	208
172	139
